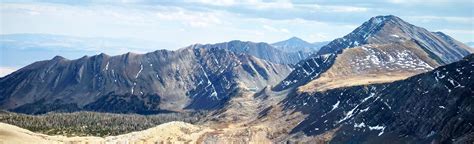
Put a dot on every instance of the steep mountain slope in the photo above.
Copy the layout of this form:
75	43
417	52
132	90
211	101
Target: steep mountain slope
383	49
297	44
436	106
387	29
306	70
260	50
191	78
373	63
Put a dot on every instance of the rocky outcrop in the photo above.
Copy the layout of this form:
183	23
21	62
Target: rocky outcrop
431	107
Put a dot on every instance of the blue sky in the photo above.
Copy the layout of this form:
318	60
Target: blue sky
171	24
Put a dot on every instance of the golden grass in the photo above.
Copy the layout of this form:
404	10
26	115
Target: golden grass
345	72
327	83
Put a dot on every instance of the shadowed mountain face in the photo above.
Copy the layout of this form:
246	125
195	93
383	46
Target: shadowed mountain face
191	78
383	49
260	50
436	106
385	81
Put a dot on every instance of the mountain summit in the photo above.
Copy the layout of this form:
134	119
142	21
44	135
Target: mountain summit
382	49
297	44
392	29
260	50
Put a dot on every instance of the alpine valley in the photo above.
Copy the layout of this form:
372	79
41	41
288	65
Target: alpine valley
386	81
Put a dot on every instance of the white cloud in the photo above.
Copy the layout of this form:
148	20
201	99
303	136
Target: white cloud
253	4
269	5
274	29
283	5
332	8
457	31
284	30
173	21
218	2
424	1
193	19
318	37
428	19
346	9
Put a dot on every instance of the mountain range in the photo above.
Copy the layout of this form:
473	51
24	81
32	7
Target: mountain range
200	79
387	80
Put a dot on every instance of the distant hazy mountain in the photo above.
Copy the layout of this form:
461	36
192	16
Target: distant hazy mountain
297	44
190	78
23	49
320	44
470	44
260	50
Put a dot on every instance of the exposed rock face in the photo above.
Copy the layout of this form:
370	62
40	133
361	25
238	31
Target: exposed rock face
348	87
373	63
192	78
383	45
388	29
430	107
260	50
307	70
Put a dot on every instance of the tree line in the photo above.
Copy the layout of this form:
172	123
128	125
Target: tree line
93	123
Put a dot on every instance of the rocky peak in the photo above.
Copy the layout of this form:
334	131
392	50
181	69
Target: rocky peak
58	58
260	50
377	47
392	29
379	30
296	39
295	44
